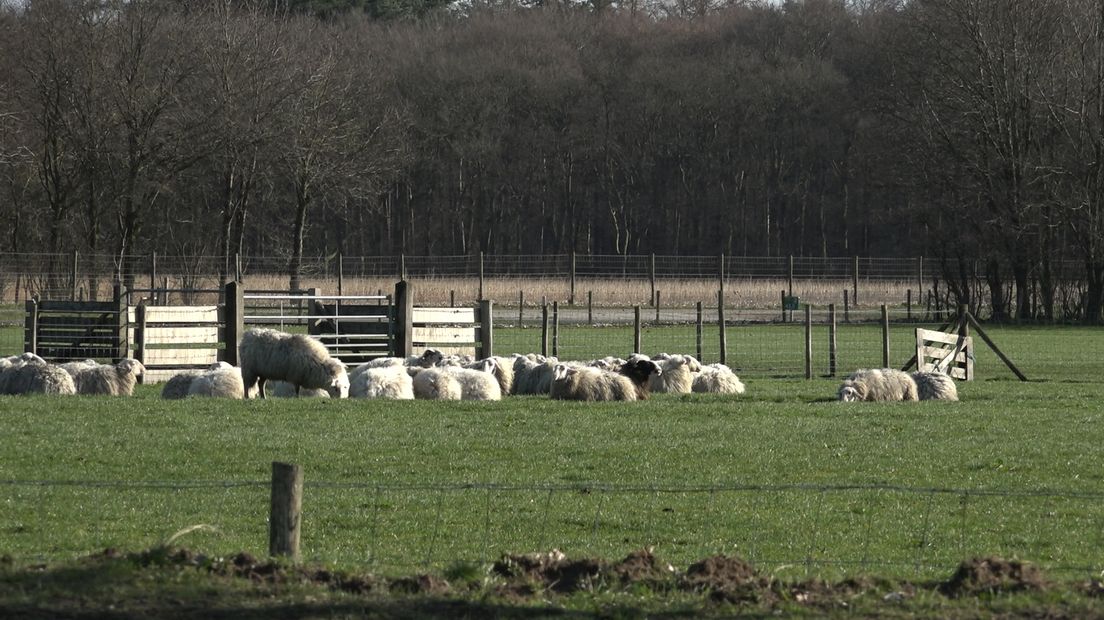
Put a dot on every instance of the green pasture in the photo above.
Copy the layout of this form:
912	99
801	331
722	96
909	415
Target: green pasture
783	475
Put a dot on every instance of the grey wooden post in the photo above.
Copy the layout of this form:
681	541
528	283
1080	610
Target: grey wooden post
285	514
404	319
831	340
571	298
486	328
808	342
636	329
234	316
699	330
544	329
885	336
555	328
721	326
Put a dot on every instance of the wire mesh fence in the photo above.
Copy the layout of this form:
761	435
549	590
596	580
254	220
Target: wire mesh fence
821	529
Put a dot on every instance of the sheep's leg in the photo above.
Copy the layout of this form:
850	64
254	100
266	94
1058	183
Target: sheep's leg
261	386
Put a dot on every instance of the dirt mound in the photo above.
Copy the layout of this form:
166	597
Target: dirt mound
642	566
993	575
552	570
421	584
725	578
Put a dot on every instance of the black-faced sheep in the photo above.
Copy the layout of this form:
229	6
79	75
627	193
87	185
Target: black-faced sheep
879	384
717	379
934	386
639	369
590	384
295	358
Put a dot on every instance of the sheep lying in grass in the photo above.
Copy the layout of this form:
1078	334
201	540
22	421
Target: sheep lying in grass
717	379
676	374
178	385
503	371
879	384
607	363
478	383
390	382
36	378
590	384
221	381
639	369
934	386
533	374
111	380
436	384
295	358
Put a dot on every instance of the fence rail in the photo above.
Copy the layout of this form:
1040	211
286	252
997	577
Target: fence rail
390	527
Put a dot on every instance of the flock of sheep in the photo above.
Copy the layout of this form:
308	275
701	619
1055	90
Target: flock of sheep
275	363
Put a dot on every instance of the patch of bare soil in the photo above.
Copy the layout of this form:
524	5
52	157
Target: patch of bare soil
551	571
421	584
993	575
726	578
643	567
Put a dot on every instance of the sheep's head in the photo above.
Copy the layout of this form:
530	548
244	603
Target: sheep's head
639	370
848	394
561	372
339	382
131	366
489	365
431	357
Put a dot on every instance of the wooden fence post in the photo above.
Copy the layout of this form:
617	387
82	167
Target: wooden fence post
544	329
699	331
855	281
30	327
782	301
153	272
555	328
571	297
234	317
831	340
404	319
846	308
72	277
721	326
521	308
636	329
481	276
285	514
590	307
340	274
140	337
652	279
808	342
452	298
908	305
122	322
885	336
657	305
486	328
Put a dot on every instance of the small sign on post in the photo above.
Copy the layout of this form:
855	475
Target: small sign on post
791	302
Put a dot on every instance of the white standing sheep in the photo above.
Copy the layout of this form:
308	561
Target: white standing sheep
478	383
436	384
295	358
717	379
105	379
934	386
283	389
879	384
389	382
590	384
35	378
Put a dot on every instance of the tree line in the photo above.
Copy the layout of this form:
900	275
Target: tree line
968	131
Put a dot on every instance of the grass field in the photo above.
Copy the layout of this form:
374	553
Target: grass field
783	476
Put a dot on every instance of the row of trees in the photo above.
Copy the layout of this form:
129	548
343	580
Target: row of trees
962	129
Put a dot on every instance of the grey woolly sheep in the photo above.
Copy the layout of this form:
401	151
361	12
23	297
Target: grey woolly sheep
639	369
607	363
675	376
590	384
717	379
533	374
295	358
934	386
503	371
177	386
391	382
879	384
104	379
34	378
478	383
436	384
